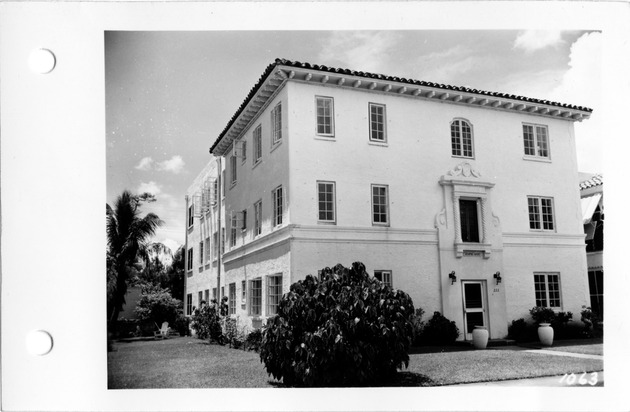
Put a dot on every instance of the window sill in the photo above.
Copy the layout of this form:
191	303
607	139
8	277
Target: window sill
326	222
377	143
375	224
463	157
232	185
275	146
537	159
473	249
325	138
259	161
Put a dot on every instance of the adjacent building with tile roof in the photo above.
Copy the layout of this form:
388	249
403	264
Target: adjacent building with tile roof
592	198
465	199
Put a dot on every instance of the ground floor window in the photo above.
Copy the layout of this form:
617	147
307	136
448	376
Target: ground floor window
199	298
189	304
547	287
255	297
596	290
206	295
274	294
384	276
232	299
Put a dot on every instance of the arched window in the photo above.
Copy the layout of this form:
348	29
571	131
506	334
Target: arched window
461	138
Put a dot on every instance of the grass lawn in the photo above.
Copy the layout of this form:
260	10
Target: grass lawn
192	363
183	363
495	364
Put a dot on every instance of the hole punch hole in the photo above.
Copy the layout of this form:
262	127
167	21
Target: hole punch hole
42	61
39	342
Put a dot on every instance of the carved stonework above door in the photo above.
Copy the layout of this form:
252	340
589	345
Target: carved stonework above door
464	169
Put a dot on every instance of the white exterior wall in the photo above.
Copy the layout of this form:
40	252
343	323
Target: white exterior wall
418	245
416	155
203	276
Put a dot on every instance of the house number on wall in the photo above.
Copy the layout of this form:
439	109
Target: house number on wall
496	289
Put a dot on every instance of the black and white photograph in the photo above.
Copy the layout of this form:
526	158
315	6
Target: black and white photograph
412	213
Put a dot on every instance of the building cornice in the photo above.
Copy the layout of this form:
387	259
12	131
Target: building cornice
281	71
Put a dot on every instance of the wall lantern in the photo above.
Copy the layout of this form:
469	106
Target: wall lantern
452	277
497	276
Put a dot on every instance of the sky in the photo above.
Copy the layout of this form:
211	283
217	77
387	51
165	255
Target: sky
170	94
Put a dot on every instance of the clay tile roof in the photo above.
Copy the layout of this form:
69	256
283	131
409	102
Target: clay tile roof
596	180
322	68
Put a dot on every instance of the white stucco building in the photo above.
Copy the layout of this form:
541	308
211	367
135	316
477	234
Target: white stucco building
467	200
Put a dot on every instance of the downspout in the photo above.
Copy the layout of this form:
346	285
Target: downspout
219	238
186	259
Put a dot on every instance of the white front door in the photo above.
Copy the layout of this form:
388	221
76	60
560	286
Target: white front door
474	306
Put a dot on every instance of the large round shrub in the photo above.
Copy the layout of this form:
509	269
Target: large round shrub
347	329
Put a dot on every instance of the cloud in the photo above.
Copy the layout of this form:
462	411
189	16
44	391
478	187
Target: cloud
150	187
359	50
175	165
445	66
532	40
581	85
145	164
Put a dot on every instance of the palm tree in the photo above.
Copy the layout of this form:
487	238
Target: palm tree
127	237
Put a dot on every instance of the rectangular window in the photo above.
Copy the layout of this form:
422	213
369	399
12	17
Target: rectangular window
384	276
190	259
276	124
201	253
215	245
243	291
243	151
191	215
277	201
326	201
207	249
258	218
223	184
596	291
255	297
199	298
233	168
206	295
380	205
535	140
232	299
547	288
222	291
540	211
377	122
461	139
244	219
274	294
233	224
469	220
257	140
189	304
325	115
215	192
222	240
214	294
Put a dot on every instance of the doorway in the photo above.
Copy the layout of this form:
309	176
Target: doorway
475	313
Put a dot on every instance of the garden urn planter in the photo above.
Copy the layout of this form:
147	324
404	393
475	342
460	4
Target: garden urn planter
480	337
545	334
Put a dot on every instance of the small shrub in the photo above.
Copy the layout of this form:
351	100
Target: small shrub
234	332
254	340
182	325
439	331
542	315
522	331
418	325
207	321
347	329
